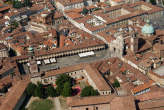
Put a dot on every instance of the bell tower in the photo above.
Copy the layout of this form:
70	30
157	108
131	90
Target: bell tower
134	42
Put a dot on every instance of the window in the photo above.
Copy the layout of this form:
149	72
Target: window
114	49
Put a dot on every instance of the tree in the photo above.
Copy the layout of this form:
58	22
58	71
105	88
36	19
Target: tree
89	91
50	91
124	72
85	3
67	90
39	91
85	11
14	25
17	4
116	83
30	89
4	90
61	80
12	52
153	2
27	3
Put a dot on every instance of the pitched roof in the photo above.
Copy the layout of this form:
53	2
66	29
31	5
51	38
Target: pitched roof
142	87
123	103
12	98
152	104
84	101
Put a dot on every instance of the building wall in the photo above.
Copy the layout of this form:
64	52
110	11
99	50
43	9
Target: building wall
89	2
105	92
162	53
36	79
134	43
37	27
157	79
92	107
116	46
72	6
4	53
60	6
141	92
58	21
7	72
20	102
66	53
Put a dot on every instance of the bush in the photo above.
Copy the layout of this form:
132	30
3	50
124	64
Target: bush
67	90
89	91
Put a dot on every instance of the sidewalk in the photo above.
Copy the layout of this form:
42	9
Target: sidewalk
57	103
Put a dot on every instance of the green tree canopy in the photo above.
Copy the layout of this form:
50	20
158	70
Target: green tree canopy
17	4
12	52
153	2
85	11
116	83
61	80
39	91
50	91
67	90
27	3
30	89
89	91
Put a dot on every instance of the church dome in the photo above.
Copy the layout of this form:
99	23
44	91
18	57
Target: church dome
30	49
148	28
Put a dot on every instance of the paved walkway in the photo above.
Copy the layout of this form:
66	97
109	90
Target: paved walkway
57	103
30	101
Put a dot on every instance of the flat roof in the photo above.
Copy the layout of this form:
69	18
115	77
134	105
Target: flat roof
159	71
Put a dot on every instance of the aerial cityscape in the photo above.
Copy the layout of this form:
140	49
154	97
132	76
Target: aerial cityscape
81	54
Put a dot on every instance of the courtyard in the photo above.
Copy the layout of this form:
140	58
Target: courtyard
41	104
